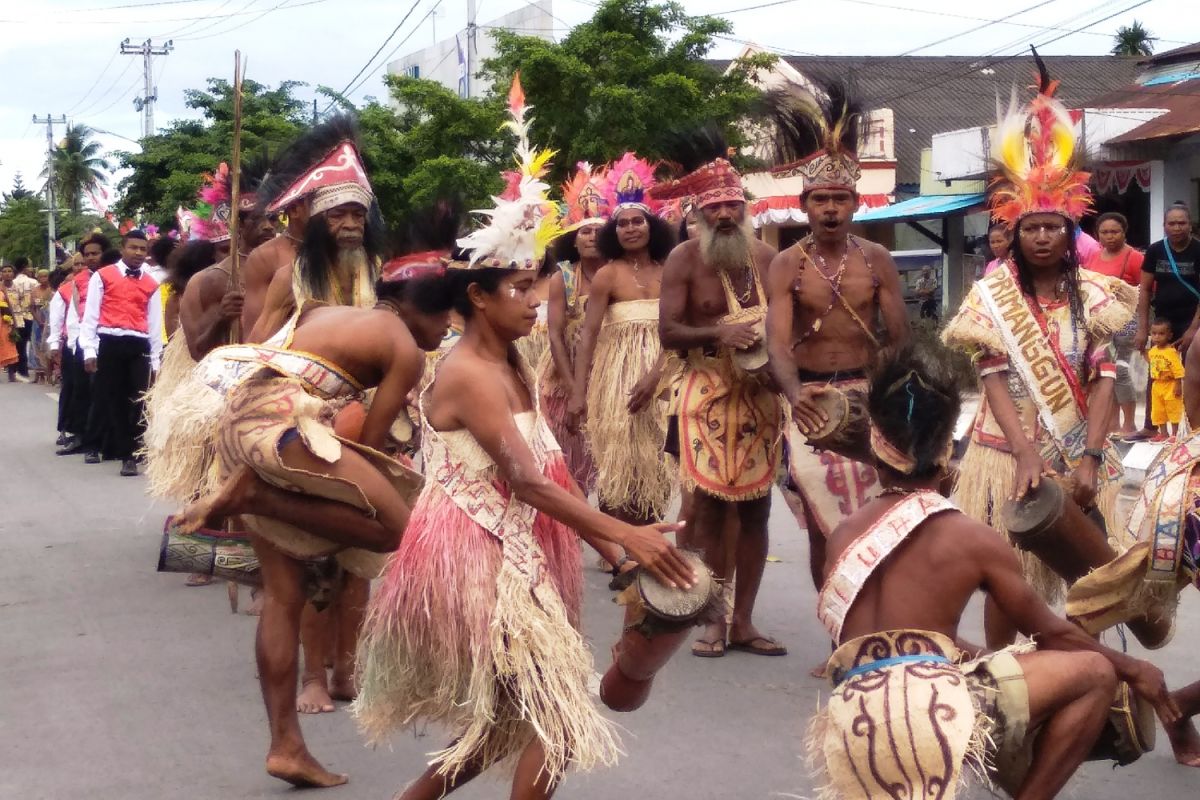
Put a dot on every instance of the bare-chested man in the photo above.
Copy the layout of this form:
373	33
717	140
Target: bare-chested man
906	714
343	496
713	306
826	294
619	361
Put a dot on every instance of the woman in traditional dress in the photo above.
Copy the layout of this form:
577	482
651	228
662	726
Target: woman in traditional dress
475	623
1040	329
8	337
620	363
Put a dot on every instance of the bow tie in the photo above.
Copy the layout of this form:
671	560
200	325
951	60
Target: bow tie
133	273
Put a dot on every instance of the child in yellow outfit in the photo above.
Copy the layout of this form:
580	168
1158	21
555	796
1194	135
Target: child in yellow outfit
1166	372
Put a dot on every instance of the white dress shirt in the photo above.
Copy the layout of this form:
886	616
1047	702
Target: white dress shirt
90	328
60	309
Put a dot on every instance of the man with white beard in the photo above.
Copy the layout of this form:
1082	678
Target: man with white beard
713	306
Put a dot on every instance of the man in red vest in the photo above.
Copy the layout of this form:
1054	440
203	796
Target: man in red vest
75	396
121	343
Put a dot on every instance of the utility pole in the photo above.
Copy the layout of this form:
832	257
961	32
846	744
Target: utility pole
145	103
471	31
50	122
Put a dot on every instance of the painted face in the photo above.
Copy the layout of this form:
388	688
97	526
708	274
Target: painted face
133	252
91	255
1043	239
1111	235
633	229
999	243
347	223
724	218
585	241
512	309
1178	226
829	212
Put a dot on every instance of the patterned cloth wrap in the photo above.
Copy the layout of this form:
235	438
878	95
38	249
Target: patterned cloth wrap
905	717
821	484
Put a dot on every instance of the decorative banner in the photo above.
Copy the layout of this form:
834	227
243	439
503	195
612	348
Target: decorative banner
1117	176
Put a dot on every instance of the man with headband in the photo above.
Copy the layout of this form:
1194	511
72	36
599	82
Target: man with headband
907	717
714	307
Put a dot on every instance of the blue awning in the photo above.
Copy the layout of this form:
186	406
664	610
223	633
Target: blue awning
929	206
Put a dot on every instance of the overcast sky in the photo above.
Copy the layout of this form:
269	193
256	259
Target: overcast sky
61	56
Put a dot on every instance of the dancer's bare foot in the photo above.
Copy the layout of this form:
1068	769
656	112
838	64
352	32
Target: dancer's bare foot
256	602
231	498
314	697
301	769
1185	741
342	687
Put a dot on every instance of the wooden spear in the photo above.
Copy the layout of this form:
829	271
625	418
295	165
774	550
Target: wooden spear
235	191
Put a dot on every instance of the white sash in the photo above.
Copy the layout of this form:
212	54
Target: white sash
859	561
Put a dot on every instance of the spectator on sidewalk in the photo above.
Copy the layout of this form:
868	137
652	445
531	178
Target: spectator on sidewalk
1166	376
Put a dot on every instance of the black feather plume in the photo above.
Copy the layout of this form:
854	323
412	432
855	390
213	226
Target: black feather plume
304	154
686	150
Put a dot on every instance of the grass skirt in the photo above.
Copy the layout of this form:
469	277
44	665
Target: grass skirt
632	471
454	636
554	408
163	429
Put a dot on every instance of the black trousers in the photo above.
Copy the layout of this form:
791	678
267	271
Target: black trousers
25	331
122	377
65	389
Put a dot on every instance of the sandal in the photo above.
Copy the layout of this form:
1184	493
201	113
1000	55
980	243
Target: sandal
716	648
771	648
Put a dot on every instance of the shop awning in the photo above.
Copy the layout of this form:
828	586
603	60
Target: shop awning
929	206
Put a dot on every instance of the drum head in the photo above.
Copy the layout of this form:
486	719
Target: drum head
836	405
1032	513
677	604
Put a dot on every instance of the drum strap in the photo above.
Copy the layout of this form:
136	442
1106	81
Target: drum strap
858	562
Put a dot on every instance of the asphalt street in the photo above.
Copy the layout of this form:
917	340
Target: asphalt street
118	683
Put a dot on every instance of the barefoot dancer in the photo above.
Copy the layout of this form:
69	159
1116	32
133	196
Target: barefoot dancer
619	363
906	714
475	624
729	417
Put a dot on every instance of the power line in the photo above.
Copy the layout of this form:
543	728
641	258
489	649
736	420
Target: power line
103	95
257	16
976	29
388	57
193	23
379	50
95	83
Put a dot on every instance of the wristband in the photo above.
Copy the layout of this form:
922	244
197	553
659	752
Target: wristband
1094	453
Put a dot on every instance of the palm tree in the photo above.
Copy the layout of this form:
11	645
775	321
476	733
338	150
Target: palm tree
79	166
1133	40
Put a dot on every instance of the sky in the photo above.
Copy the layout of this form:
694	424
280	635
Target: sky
62	56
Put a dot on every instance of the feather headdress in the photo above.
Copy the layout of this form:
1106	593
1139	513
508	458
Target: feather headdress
628	182
323	164
1037	159
584	198
522	224
213	206
423	243
709	178
817	136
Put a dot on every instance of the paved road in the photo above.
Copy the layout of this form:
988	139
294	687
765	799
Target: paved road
117	683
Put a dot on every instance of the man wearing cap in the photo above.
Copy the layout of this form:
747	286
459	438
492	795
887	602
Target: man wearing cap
826	295
121	343
714	307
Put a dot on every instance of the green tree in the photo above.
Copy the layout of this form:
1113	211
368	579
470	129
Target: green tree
19	191
1133	40
23	229
79	167
167	172
618	82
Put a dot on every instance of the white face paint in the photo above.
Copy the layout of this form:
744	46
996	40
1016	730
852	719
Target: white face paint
512	291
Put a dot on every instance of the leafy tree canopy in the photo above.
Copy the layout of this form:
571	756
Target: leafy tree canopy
23	229
618	82
1133	40
167	173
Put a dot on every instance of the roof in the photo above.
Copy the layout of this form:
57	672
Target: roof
936	94
1188	52
931	206
1181	100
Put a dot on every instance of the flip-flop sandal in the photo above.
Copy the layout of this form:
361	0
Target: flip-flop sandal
747	646
716	648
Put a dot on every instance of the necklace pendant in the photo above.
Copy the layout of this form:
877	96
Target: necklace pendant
816	325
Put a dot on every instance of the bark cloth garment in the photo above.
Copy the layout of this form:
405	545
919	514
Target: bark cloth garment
828	486
554	395
1165	521
631	469
908	717
237	408
729	420
475	623
1050	361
